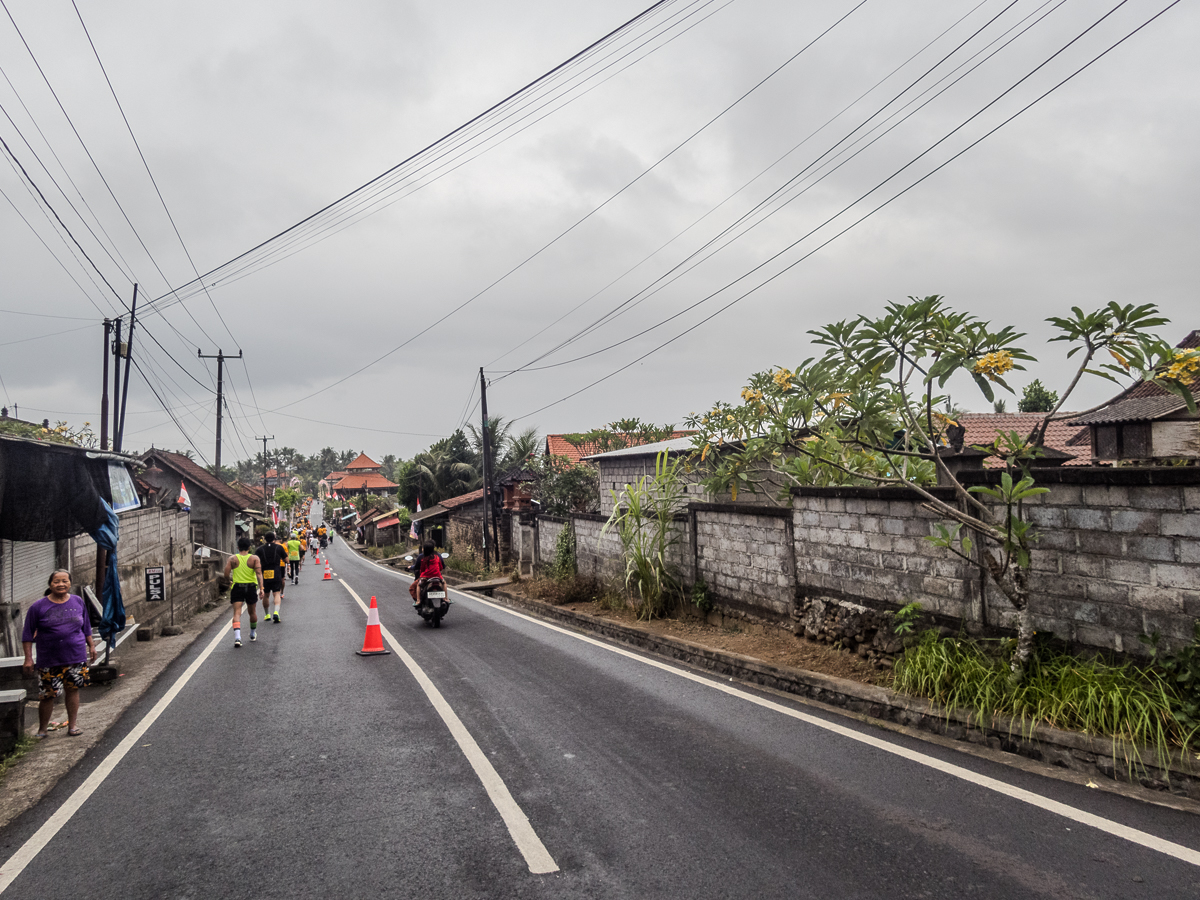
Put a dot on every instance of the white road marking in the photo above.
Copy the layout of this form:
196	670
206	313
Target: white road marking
536	855
16	863
1108	826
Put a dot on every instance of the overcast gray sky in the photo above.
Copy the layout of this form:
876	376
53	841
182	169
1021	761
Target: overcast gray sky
254	115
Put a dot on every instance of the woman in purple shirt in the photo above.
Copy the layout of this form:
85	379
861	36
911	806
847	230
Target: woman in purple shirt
60	626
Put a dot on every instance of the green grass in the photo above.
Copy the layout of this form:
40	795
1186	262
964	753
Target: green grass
1090	695
25	743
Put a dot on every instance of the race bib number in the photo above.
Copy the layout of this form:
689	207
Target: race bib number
268	574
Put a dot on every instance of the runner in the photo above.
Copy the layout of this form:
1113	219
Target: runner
246	572
313	546
294	560
273	559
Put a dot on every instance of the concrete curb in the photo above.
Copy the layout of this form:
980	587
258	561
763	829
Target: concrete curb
1064	755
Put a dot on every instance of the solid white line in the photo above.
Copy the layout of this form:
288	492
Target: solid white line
1108	826
16	863
536	855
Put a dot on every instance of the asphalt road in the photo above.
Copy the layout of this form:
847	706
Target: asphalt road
293	767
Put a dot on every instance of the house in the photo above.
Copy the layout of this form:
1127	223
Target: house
216	507
363	476
559	445
1145	423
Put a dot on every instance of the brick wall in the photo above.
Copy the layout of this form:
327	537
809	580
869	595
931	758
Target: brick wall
867	545
548	530
744	556
144	540
1114	561
617	473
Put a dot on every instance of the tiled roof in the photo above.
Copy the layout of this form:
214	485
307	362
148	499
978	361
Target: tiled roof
462	499
558	445
363	462
199	477
253	492
366	480
982	428
1144	400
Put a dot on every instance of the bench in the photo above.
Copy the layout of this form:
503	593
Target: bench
484	587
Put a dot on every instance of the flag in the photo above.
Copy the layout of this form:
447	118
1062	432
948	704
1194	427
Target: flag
275	514
184	501
412	528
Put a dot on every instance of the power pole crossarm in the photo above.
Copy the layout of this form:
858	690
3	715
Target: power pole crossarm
220	358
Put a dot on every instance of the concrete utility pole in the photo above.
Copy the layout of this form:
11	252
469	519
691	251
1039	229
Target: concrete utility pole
104	386
487	467
117	351
264	440
119	426
220	358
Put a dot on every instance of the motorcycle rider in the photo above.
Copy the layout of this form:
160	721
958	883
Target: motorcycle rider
428	565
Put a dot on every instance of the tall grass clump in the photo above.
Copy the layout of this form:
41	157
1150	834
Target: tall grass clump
644	518
1122	701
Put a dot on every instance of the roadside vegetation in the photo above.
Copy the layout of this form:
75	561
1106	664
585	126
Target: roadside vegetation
1149	706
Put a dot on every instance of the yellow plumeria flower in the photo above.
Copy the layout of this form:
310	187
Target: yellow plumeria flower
993	364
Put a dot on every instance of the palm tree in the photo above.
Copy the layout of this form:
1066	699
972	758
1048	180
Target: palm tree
440	476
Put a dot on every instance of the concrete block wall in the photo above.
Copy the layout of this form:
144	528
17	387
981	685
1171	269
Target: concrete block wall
869	545
745	557
548	530
1115	561
597	556
145	539
617	474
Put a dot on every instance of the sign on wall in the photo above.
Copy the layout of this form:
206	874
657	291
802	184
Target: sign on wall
155	583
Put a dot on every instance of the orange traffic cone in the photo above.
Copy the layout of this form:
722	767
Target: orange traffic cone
328	571
373	641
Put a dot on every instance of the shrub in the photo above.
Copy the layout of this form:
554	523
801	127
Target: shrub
1091	695
563	565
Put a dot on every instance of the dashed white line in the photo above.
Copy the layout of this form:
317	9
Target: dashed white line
536	855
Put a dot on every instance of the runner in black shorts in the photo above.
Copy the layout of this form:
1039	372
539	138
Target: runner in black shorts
273	558
245	571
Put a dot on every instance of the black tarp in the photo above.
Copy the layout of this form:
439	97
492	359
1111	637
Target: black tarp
48	494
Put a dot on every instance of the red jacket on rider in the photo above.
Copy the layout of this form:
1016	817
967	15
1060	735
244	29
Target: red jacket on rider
429	566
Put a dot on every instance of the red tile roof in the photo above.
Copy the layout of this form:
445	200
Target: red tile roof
558	445
365	480
982	428
462	499
363	462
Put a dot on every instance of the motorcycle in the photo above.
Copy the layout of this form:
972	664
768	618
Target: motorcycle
433	600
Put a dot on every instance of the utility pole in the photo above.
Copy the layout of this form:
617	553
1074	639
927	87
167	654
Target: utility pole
104	386
487	468
264	440
116	397
119	429
220	358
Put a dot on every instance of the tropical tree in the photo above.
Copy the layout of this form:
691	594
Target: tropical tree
620	434
866	412
1036	398
562	486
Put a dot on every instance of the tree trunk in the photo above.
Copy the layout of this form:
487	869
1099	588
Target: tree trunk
1014	584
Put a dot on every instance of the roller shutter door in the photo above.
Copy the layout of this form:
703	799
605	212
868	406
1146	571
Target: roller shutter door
27	565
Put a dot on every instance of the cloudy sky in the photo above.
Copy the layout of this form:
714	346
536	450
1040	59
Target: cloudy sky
588	233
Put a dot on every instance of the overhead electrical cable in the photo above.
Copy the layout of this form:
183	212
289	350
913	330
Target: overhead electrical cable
732	195
453	311
650	11
678	270
887	202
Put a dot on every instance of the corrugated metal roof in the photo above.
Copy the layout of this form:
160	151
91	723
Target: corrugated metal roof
675	445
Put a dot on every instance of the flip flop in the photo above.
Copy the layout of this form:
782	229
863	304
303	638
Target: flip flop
40	736
74	732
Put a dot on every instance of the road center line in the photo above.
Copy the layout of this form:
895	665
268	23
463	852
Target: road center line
536	856
1108	826
16	863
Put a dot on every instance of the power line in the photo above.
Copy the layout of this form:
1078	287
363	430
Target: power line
675	272
891	199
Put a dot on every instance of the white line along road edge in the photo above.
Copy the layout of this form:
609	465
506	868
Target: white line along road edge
16	863
1108	826
536	855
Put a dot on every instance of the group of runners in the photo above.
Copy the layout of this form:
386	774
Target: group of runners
263	573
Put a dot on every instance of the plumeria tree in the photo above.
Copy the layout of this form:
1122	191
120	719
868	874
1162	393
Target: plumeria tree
869	411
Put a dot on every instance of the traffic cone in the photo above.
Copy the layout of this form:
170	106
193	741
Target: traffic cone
328	571
373	640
